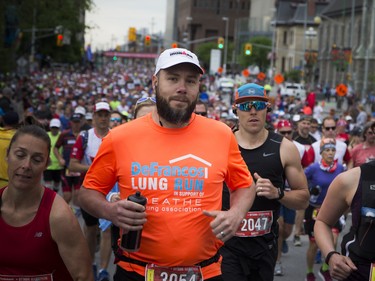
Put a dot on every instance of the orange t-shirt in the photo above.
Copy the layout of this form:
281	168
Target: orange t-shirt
181	173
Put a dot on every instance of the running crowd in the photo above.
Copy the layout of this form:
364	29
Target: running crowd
160	131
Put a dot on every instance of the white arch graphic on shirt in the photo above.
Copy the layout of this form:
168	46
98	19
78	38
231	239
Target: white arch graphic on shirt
190	156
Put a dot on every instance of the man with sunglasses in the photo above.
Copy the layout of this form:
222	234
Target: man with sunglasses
329	132
302	135
177	160
251	254
201	108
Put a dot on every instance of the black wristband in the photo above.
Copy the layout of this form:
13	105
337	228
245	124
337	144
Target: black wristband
281	193
329	255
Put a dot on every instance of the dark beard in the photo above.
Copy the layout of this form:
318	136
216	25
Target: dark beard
171	115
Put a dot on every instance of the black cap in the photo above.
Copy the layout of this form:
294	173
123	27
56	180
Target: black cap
76	117
356	131
11	118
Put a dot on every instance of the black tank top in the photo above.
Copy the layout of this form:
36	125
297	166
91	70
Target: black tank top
266	162
360	240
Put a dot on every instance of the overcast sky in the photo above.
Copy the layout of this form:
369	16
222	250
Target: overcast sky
111	19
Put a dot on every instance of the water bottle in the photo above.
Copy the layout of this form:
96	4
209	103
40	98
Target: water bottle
131	241
314	193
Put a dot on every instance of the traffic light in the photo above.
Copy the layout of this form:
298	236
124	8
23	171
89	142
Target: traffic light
248	49
220	42
147	40
174	45
132	34
59	40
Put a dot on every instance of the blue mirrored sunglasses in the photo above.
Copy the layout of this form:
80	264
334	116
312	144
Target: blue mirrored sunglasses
115	119
141	100
246	106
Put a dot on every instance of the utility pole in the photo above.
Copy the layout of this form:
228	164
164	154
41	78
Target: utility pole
273	43
226	19
304	41
33	30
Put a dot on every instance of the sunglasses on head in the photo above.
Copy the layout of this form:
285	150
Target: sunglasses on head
246	106
116	119
142	100
285	132
330	128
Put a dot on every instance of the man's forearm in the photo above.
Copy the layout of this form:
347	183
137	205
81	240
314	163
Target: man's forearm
76	166
242	199
94	203
297	199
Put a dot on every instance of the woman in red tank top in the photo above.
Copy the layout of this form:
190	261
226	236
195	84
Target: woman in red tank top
40	238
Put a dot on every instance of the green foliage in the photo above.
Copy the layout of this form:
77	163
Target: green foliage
47	15
293	76
203	51
261	46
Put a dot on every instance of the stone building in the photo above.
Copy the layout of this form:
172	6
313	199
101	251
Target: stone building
346	45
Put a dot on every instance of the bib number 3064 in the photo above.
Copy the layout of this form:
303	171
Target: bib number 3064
255	224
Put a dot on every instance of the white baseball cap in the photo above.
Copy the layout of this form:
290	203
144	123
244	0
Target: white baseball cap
88	116
102	106
80	110
174	56
55	123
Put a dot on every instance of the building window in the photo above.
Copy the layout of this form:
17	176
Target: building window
285	38
291	37
283	64
230	4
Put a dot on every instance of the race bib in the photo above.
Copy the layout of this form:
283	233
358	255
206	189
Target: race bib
44	277
255	224
372	272
315	214
178	273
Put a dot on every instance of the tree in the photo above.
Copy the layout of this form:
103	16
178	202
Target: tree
293	76
203	51
261	47
46	14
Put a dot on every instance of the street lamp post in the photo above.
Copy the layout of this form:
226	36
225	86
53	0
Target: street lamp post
188	37
273	23
304	42
226	19
311	34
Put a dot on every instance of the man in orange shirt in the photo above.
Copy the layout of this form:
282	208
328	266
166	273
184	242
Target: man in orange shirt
178	160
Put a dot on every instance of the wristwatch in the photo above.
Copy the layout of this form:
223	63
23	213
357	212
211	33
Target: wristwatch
281	193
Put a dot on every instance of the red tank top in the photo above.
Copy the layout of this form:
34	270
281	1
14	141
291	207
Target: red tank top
29	250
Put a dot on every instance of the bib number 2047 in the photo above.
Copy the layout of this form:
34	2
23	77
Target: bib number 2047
255	224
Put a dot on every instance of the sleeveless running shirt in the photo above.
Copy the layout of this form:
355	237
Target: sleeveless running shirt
29	250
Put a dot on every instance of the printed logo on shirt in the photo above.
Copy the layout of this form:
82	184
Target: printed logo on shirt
38	234
154	176
188	181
